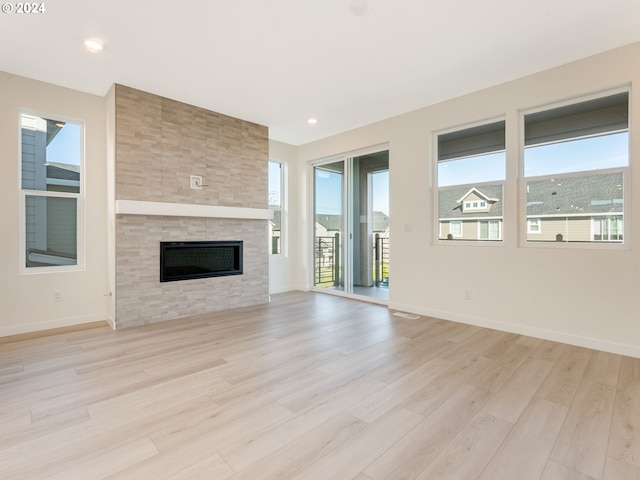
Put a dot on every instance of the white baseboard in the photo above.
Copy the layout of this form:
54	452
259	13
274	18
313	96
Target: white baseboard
284	289
50	324
553	335
111	321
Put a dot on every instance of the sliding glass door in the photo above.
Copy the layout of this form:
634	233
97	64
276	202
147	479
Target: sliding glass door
351	228
329	202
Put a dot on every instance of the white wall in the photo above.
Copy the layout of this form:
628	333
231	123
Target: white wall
110	178
283	267
582	296
587	297
26	300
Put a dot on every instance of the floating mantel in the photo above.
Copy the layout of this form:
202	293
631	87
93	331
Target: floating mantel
136	207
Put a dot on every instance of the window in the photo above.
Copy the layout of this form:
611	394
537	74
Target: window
576	158
477	205
51	163
455	228
489	230
607	229
533	225
470	175
276	203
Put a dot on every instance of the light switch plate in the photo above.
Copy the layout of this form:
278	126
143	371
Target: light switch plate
195	182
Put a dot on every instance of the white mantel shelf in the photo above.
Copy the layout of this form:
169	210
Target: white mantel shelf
135	207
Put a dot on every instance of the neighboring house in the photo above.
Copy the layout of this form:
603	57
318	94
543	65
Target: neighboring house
568	209
327	225
576	209
470	213
62	177
275	232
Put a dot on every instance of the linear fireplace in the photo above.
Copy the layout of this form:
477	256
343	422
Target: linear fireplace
191	260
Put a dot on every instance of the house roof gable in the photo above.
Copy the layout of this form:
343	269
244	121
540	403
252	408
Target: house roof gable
479	194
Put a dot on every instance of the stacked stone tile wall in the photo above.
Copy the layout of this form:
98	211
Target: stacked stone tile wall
159	144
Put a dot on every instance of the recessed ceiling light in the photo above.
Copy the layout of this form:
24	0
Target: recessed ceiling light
360	7
94	45
312	121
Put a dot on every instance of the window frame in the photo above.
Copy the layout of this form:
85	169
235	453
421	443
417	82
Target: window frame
80	198
523	180
282	208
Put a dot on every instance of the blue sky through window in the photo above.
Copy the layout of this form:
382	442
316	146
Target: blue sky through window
577	155
66	146
329	192
472	170
275	184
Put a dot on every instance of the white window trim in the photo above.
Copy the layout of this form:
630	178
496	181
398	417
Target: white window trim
80	201
626	171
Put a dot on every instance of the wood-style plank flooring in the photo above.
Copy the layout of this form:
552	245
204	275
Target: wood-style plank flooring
318	387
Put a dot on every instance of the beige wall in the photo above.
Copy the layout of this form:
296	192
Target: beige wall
283	267
578	295
26	300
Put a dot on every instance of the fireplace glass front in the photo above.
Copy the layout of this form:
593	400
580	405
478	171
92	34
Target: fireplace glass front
191	260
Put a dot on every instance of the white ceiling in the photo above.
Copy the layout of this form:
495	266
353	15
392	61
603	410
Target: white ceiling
278	62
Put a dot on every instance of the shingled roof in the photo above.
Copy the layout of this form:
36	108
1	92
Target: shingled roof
584	195
450	208
576	195
334	222
63	171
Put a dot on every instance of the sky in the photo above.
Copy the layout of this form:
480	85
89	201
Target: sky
329	192
66	146
586	154
275	188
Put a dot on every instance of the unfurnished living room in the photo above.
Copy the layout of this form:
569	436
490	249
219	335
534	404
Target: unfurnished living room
348	239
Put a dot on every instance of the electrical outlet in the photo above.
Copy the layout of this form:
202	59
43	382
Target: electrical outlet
195	182
57	295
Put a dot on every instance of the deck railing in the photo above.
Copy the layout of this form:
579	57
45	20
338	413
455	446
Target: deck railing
328	270
381	260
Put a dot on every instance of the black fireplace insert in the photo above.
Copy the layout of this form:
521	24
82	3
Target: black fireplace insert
191	260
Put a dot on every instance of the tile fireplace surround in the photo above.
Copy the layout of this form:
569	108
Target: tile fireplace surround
159	143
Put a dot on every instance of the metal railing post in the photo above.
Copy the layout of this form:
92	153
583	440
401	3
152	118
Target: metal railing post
376	262
336	260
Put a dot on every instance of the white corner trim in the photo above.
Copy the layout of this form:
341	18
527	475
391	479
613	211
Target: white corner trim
135	207
552	335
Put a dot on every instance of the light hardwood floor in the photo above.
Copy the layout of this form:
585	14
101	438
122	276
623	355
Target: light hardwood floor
314	386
